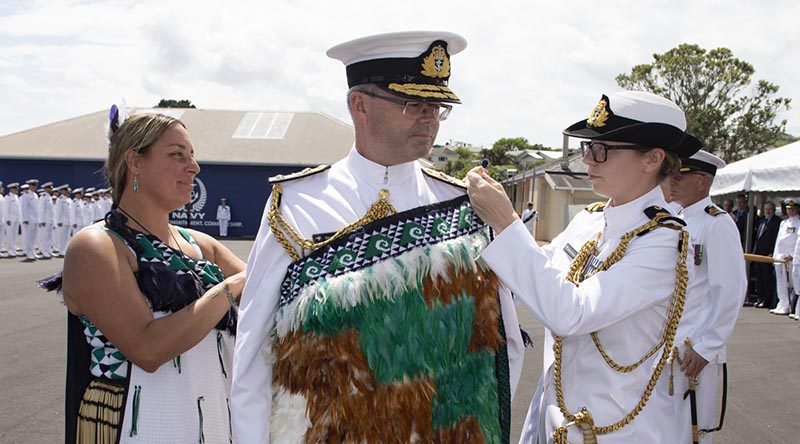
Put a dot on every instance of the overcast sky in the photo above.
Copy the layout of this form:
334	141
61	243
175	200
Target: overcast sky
531	67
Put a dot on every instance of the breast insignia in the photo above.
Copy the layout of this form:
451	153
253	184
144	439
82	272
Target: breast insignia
280	178
442	177
714	211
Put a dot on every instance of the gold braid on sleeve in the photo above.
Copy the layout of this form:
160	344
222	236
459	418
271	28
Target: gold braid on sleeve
583	419
288	236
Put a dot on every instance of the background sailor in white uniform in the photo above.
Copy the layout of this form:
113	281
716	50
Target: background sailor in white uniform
715	293
29	203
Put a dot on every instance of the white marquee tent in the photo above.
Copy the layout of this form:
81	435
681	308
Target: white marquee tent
772	171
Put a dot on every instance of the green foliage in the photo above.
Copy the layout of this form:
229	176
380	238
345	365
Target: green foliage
732	117
785	139
172	103
497	154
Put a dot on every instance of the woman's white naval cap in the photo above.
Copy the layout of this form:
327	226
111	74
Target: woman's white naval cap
702	161
413	64
637	117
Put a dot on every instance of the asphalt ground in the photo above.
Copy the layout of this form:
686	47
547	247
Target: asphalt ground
764	365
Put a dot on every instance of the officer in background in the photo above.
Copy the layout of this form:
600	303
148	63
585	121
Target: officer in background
105	201
784	249
45	211
529	216
61	219
29	203
76	211
88	207
11	218
223	216
3	249
796	280
715	294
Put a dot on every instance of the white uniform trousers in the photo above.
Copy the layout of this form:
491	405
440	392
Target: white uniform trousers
782	288
46	240
29	232
11	237
223	228
796	282
707	402
2	235
62	237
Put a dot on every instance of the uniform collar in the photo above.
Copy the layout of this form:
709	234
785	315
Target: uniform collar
632	213
373	173
697	207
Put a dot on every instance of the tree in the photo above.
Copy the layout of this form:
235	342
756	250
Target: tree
172	103
732	118
497	154
461	166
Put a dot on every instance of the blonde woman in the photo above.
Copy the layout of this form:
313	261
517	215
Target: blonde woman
151	332
610	288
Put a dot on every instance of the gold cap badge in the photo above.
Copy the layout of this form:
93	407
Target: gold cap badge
436	64
599	115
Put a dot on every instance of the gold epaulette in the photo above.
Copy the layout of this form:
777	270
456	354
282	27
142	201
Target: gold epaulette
714	211
596	207
280	178
442	177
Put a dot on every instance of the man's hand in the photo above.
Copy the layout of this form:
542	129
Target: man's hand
489	200
692	363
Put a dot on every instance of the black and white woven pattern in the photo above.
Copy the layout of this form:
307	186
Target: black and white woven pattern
381	240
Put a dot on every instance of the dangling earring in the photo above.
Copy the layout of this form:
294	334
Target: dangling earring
135	183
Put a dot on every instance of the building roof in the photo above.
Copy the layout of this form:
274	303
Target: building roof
571	178
219	136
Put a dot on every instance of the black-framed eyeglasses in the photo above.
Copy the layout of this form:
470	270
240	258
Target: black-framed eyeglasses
416	109
600	150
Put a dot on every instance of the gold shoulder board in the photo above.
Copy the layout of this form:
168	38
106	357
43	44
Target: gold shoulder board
280	178
713	210
442	177
596	207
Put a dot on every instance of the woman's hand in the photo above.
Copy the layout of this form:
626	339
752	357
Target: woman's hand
489	200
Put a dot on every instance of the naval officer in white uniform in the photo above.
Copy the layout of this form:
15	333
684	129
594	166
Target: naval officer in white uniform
45	211
393	130
29	202
784	249
611	286
716	292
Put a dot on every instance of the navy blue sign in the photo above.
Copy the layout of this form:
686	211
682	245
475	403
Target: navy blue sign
246	188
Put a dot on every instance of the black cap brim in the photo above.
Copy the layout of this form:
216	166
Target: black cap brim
647	134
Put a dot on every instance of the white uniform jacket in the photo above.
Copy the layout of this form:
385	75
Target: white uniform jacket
626	305
61	211
13	209
787	237
46	209
719	285
224	213
29	203
322	203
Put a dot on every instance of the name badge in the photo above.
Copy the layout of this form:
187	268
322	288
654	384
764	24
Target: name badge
698	254
571	251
